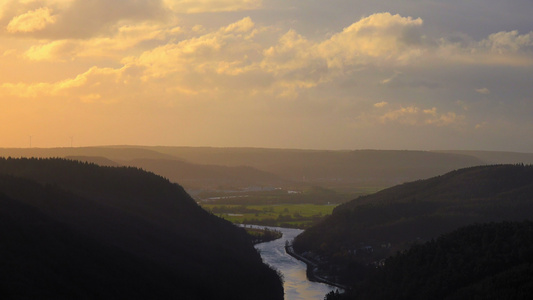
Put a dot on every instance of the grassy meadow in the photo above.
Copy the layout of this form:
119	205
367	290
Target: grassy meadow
281	215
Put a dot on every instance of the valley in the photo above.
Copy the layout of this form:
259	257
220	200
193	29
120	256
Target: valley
358	208
266	150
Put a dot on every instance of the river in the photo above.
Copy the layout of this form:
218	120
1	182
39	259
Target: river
295	284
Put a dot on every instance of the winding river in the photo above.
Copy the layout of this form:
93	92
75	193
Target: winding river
295	284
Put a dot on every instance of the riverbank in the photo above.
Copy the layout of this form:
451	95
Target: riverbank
311	266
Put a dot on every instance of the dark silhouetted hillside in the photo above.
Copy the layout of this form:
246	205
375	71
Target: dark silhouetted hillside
77	230
484	261
98	160
395	218
112	153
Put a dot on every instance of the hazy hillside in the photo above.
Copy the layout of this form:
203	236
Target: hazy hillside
77	230
395	218
483	261
203	167
208	168
207	176
497	157
330	168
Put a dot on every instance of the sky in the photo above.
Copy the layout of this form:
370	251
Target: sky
308	74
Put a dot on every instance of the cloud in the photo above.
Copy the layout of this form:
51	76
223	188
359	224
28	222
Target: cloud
31	21
481	125
416	116
484	91
502	48
446	119
390	79
202	6
295	64
53	51
64	19
383	36
399	80
211	61
82	86
126	38
380	104
403	115
508	42
286	66
378	39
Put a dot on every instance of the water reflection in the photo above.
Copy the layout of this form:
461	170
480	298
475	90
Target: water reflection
296	285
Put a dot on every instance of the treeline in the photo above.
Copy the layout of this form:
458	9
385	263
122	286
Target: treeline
483	261
234	210
285	220
310	195
263	235
73	230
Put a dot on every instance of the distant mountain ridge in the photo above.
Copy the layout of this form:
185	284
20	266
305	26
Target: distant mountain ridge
496	157
207	176
343	167
205	167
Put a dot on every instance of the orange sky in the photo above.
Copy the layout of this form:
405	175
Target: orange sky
290	74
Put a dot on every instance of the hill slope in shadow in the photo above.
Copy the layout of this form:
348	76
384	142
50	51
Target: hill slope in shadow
77	230
395	218
482	261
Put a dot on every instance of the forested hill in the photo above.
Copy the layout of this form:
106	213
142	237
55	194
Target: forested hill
467	184
395	218
76	230
483	261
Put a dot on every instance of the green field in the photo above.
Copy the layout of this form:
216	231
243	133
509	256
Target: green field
281	215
